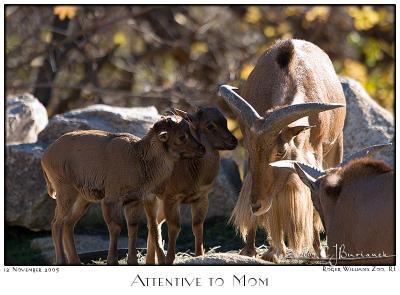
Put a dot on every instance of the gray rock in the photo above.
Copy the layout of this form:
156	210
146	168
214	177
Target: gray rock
27	202
366	123
83	243
223	259
25	118
102	117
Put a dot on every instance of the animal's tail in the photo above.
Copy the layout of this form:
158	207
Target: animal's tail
50	189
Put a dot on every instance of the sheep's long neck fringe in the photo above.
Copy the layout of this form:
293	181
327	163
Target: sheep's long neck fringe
291	214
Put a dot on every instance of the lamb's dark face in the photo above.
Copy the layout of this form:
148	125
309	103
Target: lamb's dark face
179	141
326	193
212	128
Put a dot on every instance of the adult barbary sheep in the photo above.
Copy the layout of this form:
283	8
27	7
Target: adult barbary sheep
356	205
191	181
118	170
293	80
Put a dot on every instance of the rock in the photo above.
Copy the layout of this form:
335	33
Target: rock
25	118
27	202
83	243
103	117
223	259
366	123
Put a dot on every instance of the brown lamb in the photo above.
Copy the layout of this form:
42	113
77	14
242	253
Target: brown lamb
117	170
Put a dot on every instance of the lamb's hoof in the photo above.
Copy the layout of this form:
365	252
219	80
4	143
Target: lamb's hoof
246	251
169	260
112	262
270	256
132	262
75	262
163	260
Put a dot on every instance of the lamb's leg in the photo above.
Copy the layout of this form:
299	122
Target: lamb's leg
250	247
199	213
56	233
150	257
150	205
78	210
132	212
171	211
66	196
111	208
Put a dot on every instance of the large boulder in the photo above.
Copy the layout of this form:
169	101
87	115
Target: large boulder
367	123
25	118
26	199
27	202
102	117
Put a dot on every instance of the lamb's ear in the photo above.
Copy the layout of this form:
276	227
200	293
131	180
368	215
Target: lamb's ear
181	113
170	113
163	136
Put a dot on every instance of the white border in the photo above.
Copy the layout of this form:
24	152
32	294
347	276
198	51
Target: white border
282	279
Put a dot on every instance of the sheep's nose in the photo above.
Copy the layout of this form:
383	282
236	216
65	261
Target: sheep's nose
255	207
234	141
202	149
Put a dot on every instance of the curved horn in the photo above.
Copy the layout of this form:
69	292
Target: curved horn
239	105
366	152
307	179
289	164
286	115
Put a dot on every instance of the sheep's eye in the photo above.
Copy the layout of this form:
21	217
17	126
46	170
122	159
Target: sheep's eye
182	138
210	126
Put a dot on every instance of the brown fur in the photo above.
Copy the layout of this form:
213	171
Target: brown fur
191	182
361	215
118	170
307	76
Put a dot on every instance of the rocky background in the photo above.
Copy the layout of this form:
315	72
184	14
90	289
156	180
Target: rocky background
29	132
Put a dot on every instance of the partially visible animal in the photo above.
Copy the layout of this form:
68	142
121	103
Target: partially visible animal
191	181
280	111
356	203
116	169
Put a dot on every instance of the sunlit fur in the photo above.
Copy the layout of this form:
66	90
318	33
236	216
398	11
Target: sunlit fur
290	72
116	169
